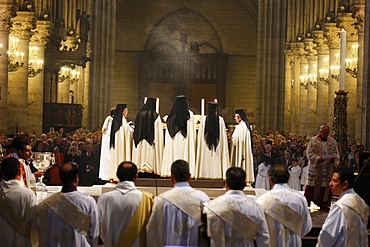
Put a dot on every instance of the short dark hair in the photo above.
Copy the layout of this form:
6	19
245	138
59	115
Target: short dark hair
9	168
180	170
68	173
20	142
126	171
279	174
235	178
345	173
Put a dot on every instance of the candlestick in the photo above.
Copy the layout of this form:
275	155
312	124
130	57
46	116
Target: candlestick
157	106
202	107
342	71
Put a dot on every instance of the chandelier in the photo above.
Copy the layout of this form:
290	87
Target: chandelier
324	72
68	73
334	69
313	76
34	64
15	58
351	63
304	79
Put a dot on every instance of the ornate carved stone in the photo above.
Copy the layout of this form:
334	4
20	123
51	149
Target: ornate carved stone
41	34
310	47
22	25
359	15
346	21
5	15
321	43
331	33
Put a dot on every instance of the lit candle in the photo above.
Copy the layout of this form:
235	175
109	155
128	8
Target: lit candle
145	99
342	71
202	107
215	100
157	106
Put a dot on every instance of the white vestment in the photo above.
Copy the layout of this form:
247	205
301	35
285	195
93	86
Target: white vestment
122	148
23	202
294	181
149	158
262	179
180	148
104	150
346	222
116	209
280	235
241	150
30	178
304	177
212	163
55	231
176	217
234	206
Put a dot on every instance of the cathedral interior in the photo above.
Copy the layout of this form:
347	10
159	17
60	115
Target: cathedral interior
292	65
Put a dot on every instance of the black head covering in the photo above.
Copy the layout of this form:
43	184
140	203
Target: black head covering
212	126
117	123
243	116
178	117
144	122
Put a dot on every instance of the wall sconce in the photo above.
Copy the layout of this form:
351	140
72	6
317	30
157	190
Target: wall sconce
324	72
68	73
351	63
15	58
34	64
334	72
303	79
313	76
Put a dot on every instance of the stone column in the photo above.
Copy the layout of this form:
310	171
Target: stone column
322	82
39	39
348	23
289	79
359	14
331	33
294	103
7	11
311	88
18	80
303	94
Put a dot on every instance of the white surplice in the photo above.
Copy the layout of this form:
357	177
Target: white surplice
180	148
212	164
223	234
23	201
346	224
30	178
122	148
262	178
59	233
280	235
241	150
294	181
104	150
116	209
170	225
146	156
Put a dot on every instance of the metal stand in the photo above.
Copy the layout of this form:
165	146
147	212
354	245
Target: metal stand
339	130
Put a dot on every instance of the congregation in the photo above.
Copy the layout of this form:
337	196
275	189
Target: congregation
189	148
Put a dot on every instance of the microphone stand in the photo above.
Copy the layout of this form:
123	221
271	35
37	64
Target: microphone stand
363	167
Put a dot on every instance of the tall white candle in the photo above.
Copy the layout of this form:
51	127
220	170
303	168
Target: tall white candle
342	71
202	107
157	106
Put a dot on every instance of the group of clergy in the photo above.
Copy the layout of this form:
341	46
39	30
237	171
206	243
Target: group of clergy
145	143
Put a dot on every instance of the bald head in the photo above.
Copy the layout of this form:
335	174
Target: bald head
324	131
68	173
126	171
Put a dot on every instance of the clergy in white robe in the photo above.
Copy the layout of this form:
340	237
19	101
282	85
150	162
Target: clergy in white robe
124	209
212	148
69	217
234	219
262	178
17	206
120	140
148	145
176	214
105	146
294	171
346	224
241	145
287	214
180	137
